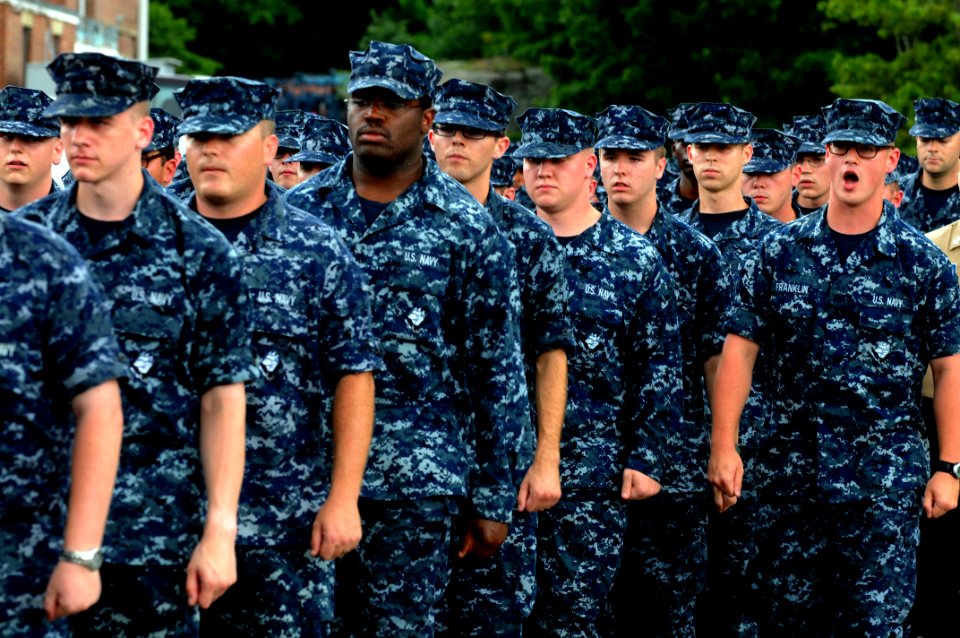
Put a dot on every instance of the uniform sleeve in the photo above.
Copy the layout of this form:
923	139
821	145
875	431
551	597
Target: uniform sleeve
494	375
548	314
714	303
747	317
940	322
223	350
347	337
654	394
82	351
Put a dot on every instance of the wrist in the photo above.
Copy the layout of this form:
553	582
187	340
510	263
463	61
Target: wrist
947	467
92	559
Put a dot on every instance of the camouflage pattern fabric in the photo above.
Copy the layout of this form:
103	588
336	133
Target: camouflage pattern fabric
863	121
164	130
322	140
914	210
630	127
718	123
225	105
554	133
396	67
55	343
773	151
173	283
502	172
21	113
478	105
867	550
289	127
811	129
98	85
936	117
671	200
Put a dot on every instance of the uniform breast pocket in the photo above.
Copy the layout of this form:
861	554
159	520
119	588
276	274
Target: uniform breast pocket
410	305
884	343
598	327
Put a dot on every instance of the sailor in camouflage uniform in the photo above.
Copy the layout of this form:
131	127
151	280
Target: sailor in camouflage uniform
493	596
57	352
663	568
173	285
624	390
452	402
813	188
162	156
931	197
29	147
313	342
679	194
501	177
322	142
772	172
852	302
289	127
718	136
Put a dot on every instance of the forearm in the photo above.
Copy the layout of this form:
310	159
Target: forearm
551	403
222	450
946	406
96	455
730	391
353	414
710	375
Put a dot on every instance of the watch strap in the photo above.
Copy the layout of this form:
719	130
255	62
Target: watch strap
953	469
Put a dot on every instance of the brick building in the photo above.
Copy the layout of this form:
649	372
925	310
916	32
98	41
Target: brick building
33	33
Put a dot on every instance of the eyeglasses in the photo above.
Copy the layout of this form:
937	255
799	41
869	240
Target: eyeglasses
387	106
146	159
865	151
813	160
468	132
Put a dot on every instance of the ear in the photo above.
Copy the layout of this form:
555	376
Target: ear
270	145
747	153
427	122
661	166
510	193
590	162
145	128
690	152
58	151
170	169
430	136
501	147
892	160
795	175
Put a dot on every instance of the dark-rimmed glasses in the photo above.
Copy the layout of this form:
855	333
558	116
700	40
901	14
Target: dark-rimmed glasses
146	158
865	151
468	132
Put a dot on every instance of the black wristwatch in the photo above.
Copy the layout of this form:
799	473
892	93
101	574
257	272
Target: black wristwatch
953	469
92	559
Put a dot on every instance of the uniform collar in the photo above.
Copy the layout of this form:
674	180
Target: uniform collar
818	230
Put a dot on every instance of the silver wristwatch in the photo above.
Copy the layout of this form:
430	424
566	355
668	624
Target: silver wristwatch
91	558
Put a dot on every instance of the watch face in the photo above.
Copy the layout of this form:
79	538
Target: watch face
956	469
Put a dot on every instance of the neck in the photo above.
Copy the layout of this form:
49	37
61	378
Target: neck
479	187
571	221
810	202
785	214
387	186
111	200
855	220
939	182
725	201
229	210
638	215
13	196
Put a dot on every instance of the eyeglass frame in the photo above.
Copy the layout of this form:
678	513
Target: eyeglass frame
859	146
146	159
474	132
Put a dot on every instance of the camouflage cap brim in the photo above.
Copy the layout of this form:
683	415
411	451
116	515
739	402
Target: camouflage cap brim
768	166
288	141
460	118
809	148
234	125
313	156
858	136
627	142
546	150
87	105
28	130
713	137
400	89
932	130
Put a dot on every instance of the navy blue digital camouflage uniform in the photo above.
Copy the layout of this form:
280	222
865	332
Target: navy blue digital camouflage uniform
668	194
172	283
663	568
730	542
936	118
624	396
773	151
452	402
165	127
21	113
494	596
311	326
842	466
55	343
322	141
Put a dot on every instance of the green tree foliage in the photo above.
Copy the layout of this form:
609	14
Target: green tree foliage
171	37
916	53
769	56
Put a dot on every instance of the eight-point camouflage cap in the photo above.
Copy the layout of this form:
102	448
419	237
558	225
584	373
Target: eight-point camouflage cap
396	67
289	127
631	127
97	85
718	123
680	121
862	121
21	113
164	129
503	170
477	105
908	164
936	117
225	106
773	151
323	141
811	129
554	133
